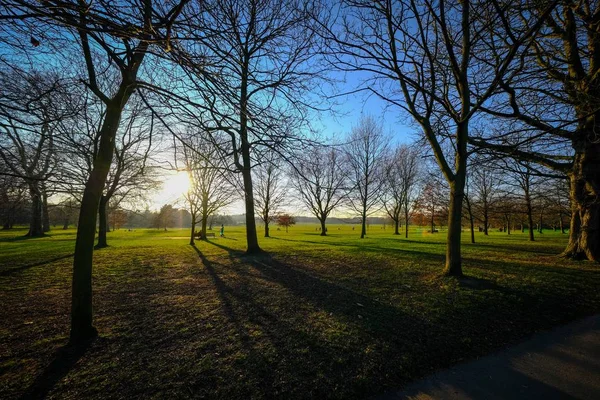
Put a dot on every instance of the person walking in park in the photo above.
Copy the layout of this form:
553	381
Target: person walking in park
222	230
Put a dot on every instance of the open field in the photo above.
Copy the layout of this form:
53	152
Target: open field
321	317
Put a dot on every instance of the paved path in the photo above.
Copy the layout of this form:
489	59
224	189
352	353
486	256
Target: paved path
560	364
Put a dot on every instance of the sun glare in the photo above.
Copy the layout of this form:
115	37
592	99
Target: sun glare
174	187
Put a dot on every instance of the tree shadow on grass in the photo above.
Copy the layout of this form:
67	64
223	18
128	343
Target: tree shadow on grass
300	312
12	271
64	359
423	255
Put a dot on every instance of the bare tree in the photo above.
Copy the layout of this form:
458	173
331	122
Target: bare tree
123	32
210	184
262	53
271	190
131	172
485	185
439	62
366	154
29	111
320	179
401	179
552	95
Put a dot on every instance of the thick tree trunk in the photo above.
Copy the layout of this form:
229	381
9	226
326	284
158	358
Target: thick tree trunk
432	223
203	227
486	222
81	301
35	224
323	227
584	234
204	218
45	214
102	223
267	227
397	225
453	265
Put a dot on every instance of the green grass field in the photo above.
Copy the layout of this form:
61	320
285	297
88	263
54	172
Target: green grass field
315	317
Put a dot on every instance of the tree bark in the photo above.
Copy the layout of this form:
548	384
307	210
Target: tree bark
35	224
267	227
397	226
406	224
192	242
102	223
529	216
453	265
81	301
486	221
584	234
363	229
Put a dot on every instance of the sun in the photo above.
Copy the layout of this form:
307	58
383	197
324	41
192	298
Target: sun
175	185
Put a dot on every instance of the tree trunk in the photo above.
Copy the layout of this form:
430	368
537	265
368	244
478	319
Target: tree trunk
486	221
471	219
453	255
267	227
45	215
323	227
432	224
203	228
541	227
397	225
584	234
35	224
363	229
81	301
204	218
102	223
192	242
529	216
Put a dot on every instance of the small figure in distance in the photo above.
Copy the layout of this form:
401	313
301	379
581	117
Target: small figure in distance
222	230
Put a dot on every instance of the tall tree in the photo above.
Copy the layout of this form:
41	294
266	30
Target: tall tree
401	179
439	62
271	190
29	111
262	53
122	32
131	170
553	93
210	184
366	154
320	179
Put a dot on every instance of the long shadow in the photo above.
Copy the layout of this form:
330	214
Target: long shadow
64	360
22	238
526	248
12	271
327	295
373	249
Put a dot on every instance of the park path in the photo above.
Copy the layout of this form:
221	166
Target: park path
560	364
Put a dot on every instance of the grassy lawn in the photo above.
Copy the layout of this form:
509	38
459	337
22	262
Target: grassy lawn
320	317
